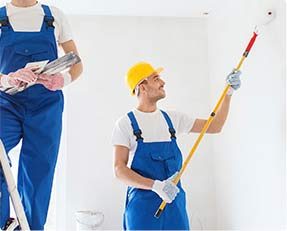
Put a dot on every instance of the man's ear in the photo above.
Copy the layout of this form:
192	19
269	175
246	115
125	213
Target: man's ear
142	88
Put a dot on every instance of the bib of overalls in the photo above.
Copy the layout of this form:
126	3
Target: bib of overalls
157	161
19	48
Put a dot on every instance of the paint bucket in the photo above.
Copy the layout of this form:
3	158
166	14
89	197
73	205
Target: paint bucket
89	220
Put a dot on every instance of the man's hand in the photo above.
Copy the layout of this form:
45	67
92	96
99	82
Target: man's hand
19	78
233	79
166	189
54	82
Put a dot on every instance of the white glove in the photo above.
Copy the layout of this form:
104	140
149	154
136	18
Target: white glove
233	79
15	79
166	189
56	81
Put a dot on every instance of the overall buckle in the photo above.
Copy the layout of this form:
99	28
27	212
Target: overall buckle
172	133
4	21
49	21
138	134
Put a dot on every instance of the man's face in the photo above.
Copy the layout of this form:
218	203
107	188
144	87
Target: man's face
154	87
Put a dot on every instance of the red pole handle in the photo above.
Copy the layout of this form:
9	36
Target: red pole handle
250	44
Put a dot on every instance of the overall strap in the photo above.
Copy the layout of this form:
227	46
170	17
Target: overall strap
170	126
48	18
136	130
4	20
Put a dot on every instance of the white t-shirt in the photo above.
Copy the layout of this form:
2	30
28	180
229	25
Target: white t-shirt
31	19
153	126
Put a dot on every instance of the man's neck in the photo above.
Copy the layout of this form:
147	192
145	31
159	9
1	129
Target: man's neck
147	107
23	3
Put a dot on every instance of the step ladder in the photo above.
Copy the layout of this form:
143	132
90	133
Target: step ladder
21	219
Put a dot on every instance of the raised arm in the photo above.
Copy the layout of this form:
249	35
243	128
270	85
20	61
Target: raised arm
233	79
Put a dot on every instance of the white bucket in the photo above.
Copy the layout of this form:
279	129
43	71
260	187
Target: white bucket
89	220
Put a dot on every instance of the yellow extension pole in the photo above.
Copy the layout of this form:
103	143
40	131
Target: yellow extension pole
207	124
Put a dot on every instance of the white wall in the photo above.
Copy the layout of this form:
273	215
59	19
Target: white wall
250	154
236	179
108	46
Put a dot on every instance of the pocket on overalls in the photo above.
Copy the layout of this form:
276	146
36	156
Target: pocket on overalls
161	156
166	163
30	54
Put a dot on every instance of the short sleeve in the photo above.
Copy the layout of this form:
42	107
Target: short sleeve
182	122
62	23
120	135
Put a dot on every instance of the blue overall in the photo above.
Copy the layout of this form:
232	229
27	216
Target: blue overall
159	161
33	115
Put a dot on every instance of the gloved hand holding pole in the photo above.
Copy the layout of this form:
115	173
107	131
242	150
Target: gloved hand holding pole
166	189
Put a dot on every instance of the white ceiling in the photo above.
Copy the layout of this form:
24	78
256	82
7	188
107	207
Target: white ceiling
180	8
188	8
172	8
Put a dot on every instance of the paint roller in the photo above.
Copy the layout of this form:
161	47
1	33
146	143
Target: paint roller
268	17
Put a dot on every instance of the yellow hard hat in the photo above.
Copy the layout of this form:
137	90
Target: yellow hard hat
139	72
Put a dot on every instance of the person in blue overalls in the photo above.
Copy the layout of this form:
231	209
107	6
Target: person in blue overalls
146	155
30	32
